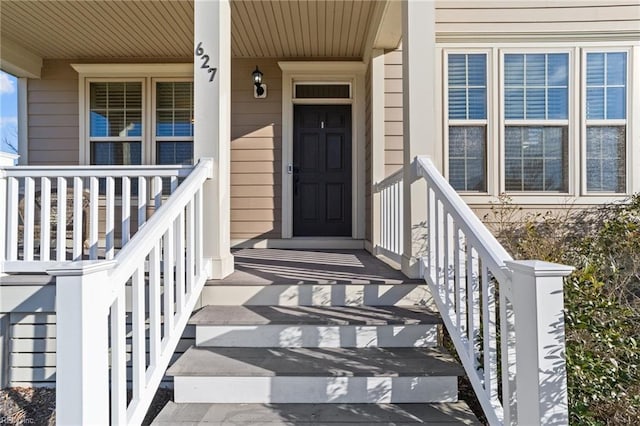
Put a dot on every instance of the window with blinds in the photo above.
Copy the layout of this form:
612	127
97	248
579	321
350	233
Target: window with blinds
467	121
536	117
174	122
606	115
115	123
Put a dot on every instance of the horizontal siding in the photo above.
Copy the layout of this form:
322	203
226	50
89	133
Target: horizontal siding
32	349
53	115
256	156
564	18
393	132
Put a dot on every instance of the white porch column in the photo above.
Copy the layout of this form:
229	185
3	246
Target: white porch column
419	121
212	136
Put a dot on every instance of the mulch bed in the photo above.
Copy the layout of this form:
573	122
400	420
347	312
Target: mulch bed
36	406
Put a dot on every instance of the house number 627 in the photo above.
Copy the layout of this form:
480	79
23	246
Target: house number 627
205	61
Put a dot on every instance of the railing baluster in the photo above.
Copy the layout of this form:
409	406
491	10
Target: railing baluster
462	290
456	273
473	303
447	279
93	217
157	192
142	201
138	351
13	218
180	269
29	218
110	221
198	232
431	240
174	183
155	291
119	360
126	210
45	219
61	220
190	255
489	335
400	218
78	220
168	287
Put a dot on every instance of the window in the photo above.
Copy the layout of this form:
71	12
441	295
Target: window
467	115
115	123
606	113
174	122
536	93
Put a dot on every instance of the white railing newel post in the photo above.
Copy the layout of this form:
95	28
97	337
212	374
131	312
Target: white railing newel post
541	379
3	220
83	298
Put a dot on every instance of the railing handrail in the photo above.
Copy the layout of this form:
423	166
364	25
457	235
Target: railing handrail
482	239
158	275
388	181
145	238
97	171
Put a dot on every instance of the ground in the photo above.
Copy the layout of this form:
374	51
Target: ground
36	406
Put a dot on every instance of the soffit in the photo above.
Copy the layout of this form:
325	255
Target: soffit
103	29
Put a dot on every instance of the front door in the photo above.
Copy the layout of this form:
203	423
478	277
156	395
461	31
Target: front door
322	170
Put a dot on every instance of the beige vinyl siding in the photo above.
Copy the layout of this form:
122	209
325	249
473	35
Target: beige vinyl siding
368	156
393	111
256	155
559	19
53	115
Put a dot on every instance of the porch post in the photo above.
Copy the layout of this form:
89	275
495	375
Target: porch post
212	137
541	376
419	122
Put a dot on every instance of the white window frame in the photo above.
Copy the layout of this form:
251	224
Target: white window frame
583	122
155	138
93	139
491	149
571	134
147	73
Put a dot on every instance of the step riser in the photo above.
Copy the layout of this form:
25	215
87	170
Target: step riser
317	390
311	336
318	295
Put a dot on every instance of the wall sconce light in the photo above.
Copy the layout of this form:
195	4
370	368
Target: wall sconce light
260	89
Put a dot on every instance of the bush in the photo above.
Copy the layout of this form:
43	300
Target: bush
602	299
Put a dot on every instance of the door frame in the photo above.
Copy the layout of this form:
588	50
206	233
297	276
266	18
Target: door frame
351	72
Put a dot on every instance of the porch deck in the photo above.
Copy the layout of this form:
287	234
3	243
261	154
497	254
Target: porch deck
278	266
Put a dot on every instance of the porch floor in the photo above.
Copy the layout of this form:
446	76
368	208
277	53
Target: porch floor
277	266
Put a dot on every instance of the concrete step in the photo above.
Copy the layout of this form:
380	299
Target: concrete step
455	413
402	293
311	326
315	375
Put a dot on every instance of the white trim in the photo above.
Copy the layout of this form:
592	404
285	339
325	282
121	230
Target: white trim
23	121
301	243
377	141
325	72
19	61
134	70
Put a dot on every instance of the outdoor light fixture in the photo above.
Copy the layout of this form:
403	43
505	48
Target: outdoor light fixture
260	90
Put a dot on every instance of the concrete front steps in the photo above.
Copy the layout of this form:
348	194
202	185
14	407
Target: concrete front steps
285	364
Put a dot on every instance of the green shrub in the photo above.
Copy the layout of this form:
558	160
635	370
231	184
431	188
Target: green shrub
602	299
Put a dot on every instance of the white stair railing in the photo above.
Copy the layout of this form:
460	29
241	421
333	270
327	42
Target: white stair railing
389	242
158	277
505	317
69	213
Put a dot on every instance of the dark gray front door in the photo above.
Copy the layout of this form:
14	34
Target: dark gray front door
322	170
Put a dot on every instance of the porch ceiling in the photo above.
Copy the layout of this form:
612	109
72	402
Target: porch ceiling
107	29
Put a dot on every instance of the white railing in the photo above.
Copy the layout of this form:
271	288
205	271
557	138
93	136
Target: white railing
158	277
70	213
504	317
389	242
